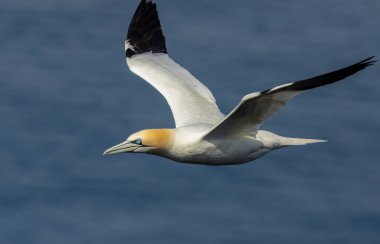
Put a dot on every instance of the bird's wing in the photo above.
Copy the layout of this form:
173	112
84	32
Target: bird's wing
257	107
191	102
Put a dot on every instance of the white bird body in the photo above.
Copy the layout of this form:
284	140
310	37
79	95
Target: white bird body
189	146
203	135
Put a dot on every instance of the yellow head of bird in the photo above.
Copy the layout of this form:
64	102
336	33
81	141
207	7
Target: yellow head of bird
154	141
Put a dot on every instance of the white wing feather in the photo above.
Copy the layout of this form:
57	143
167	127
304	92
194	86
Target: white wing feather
145	48
191	102
257	107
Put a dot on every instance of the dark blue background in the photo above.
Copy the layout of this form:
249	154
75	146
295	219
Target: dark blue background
66	95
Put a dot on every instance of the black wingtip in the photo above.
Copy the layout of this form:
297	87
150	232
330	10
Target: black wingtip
145	33
367	62
364	64
327	78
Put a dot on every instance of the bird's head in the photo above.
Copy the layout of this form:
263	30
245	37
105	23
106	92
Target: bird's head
153	141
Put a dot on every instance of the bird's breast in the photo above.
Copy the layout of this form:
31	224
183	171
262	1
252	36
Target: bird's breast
216	152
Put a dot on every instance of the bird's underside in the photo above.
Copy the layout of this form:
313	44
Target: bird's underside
203	134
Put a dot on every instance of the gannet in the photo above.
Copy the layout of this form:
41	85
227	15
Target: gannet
204	135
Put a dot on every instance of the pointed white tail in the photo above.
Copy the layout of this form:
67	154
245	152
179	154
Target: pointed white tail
300	141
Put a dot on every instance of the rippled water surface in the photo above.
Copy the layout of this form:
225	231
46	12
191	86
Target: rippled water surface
66	95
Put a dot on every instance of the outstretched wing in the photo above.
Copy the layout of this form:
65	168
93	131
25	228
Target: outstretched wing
257	107
191	102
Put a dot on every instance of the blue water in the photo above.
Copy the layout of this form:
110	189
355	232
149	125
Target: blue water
66	95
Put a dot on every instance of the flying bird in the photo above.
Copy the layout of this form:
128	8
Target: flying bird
204	135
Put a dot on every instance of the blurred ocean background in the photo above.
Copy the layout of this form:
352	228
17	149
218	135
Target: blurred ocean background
66	95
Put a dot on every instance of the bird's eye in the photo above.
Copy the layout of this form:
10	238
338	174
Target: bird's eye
138	141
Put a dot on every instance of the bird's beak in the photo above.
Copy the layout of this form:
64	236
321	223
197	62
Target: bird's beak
123	147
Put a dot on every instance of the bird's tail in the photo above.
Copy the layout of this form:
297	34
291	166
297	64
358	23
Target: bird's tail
300	141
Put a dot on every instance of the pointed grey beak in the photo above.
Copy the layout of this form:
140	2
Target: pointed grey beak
123	147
